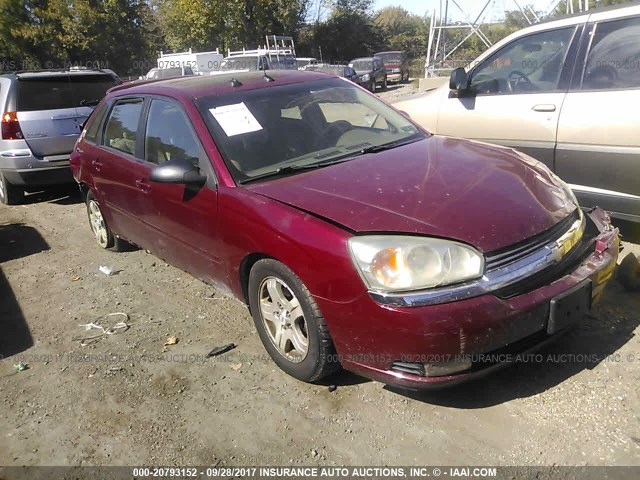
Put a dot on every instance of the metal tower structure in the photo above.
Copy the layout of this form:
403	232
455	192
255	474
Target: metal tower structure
440	57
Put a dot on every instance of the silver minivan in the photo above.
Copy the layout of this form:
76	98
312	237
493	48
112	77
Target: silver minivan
566	92
42	115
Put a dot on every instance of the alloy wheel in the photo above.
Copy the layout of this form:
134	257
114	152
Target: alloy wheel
283	319
98	226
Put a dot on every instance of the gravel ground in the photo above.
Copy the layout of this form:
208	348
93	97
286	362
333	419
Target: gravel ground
129	399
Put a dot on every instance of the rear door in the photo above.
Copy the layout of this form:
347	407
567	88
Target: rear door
51	110
517	94
116	166
598	149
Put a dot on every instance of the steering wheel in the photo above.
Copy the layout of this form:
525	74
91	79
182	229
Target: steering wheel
336	129
514	79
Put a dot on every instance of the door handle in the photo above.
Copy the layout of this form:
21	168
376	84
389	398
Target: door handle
143	186
97	165
544	108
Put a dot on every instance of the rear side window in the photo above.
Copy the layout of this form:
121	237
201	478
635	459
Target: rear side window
614	57
121	129
61	91
94	123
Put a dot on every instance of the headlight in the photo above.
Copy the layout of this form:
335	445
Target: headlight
395	263
365	77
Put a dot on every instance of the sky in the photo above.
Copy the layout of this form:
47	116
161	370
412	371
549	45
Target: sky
471	7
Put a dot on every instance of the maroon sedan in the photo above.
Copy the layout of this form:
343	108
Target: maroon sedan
356	238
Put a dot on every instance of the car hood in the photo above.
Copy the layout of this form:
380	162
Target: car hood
486	196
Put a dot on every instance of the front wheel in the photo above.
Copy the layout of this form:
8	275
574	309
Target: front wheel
384	83
289	322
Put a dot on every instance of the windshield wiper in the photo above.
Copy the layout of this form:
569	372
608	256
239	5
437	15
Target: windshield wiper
291	169
386	146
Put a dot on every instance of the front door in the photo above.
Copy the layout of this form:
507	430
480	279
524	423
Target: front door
515	96
183	221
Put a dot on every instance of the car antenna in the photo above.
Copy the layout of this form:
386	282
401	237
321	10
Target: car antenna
235	82
267	78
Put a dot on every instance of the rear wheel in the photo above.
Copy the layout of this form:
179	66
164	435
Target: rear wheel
10	194
289	322
104	236
629	273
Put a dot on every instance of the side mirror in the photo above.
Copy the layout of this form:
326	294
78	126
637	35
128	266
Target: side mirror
459	80
178	170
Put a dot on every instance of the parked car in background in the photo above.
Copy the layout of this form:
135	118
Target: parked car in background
396	63
563	92
372	72
343	71
42	115
181	71
243	63
357	239
200	63
306	62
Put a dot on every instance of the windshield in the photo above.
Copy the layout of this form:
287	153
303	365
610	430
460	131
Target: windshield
390	57
262	131
240	63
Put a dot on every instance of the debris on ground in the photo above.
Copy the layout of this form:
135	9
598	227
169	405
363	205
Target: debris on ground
220	350
117	328
106	270
171	340
332	388
21	366
236	366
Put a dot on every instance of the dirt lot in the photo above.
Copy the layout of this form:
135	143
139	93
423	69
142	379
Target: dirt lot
127	399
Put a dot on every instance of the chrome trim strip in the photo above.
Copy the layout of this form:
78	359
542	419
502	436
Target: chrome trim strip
601	191
551	254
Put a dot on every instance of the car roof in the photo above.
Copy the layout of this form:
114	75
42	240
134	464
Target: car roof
362	58
389	51
205	85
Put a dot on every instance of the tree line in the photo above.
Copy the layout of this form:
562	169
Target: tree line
127	35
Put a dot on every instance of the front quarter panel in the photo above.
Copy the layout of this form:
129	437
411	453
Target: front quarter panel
314	249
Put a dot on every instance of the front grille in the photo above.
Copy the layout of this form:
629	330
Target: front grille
578	254
513	253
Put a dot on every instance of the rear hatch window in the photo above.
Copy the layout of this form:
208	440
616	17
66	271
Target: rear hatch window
62	91
52	109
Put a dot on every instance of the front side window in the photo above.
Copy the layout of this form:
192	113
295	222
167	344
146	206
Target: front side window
169	135
121	129
614	57
266	131
529	64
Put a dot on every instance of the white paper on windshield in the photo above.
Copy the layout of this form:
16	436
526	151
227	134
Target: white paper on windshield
235	119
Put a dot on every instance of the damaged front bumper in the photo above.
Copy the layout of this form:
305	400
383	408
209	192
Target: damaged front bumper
418	344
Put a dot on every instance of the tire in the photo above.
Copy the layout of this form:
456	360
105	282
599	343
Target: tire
10	194
103	234
384	83
372	86
629	273
289	322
